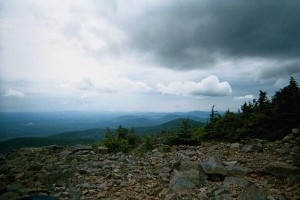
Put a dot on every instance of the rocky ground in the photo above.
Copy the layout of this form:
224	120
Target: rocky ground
251	170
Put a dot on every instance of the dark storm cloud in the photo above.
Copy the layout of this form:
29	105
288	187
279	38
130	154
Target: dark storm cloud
279	70
193	34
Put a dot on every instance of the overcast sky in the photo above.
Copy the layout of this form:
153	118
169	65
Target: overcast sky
139	55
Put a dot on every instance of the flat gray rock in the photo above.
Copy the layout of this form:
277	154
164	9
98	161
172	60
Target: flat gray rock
213	166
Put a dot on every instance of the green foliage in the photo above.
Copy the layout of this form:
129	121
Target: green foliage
149	142
184	136
122	133
165	148
122	140
264	118
198	135
133	138
185	129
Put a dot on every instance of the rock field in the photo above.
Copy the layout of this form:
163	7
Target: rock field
248	170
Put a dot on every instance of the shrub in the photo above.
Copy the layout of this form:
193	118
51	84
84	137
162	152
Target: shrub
118	141
149	142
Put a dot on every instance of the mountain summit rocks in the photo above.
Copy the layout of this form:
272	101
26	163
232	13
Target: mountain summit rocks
251	170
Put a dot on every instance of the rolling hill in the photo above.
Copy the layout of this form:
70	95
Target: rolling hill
87	136
173	125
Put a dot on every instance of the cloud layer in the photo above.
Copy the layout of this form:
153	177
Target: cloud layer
196	34
210	86
14	93
121	85
146	54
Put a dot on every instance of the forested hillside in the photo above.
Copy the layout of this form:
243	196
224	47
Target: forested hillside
263	118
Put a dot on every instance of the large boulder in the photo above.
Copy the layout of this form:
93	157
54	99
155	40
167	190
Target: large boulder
184	181
238	171
235	181
220	193
188	165
283	170
188	177
252	193
213	168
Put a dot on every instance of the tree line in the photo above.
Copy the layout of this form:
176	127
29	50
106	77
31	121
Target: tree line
264	118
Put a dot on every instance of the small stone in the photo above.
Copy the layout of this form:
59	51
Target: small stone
82	148
65	194
171	196
289	138
219	192
270	197
101	196
65	153
84	192
20	175
230	163
235	145
194	158
85	185
102	150
253	147
184	157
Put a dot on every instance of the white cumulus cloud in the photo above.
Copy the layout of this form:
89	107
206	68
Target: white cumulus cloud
210	86
14	93
118	85
246	97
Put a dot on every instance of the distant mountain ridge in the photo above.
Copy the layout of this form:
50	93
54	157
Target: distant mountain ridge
87	136
173	125
16	125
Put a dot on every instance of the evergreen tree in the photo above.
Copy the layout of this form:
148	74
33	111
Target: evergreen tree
259	119
185	129
286	109
264	103
133	138
287	100
122	133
